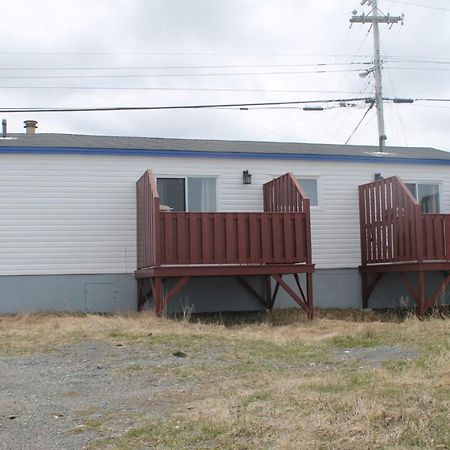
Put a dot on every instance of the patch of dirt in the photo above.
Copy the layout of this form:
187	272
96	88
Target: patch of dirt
376	356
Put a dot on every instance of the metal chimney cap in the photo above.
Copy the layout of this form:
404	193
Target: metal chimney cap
30	126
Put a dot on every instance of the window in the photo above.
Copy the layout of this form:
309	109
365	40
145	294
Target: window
427	194
310	187
188	194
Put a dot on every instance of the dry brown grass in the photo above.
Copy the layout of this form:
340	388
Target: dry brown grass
23	333
280	384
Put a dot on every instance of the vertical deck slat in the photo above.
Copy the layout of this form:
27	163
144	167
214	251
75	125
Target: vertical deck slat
182	239
194	239
241	247
439	230
167	223
254	227
288	236
230	238
447	236
218	238
277	237
300	247
266	241
205	238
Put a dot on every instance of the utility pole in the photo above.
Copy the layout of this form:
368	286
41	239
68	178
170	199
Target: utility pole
374	18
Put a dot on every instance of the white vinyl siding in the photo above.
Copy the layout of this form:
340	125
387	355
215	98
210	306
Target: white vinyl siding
75	214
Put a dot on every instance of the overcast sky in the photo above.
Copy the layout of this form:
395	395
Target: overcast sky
86	53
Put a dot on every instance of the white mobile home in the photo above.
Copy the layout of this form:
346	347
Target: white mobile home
68	213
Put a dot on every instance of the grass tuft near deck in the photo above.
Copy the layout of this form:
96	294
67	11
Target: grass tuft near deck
345	380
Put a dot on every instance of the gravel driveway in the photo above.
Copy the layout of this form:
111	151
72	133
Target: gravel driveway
70	397
59	400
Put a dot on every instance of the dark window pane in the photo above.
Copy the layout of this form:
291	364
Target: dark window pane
172	193
428	197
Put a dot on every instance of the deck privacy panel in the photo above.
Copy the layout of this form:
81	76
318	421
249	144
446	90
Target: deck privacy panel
147	221
284	194
279	235
393	229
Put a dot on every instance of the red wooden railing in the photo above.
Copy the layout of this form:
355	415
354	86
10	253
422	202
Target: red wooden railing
270	237
232	238
147	221
436	237
393	229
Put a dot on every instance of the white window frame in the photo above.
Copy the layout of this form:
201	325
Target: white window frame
185	178
435	183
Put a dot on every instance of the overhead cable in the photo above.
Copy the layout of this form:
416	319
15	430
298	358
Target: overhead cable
174	107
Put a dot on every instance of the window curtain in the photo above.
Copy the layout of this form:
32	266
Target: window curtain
202	194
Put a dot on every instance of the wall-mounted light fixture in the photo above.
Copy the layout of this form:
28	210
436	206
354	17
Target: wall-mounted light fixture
246	177
378	177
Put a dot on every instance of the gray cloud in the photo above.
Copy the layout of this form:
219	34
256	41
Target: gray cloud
212	32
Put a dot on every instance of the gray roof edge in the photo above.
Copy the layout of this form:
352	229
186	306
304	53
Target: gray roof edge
212	145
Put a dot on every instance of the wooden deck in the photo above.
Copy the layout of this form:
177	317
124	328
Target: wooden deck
397	237
181	245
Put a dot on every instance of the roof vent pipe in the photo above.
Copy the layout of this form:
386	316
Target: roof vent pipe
30	126
4	129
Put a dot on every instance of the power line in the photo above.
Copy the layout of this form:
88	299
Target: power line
57	53
182	67
174	107
175	89
414	61
432	99
360	122
191	89
415	68
159	75
419	5
417	57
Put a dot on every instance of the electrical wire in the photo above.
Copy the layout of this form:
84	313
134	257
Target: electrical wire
159	75
184	67
419	5
368	121
176	89
338	127
174	107
431	99
57	53
360	122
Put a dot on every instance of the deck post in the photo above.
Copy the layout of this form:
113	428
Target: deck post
365	290
268	292
140	302
158	296
309	295
421	293
419	233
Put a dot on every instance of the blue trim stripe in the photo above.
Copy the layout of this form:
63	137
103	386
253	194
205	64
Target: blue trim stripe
206	154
